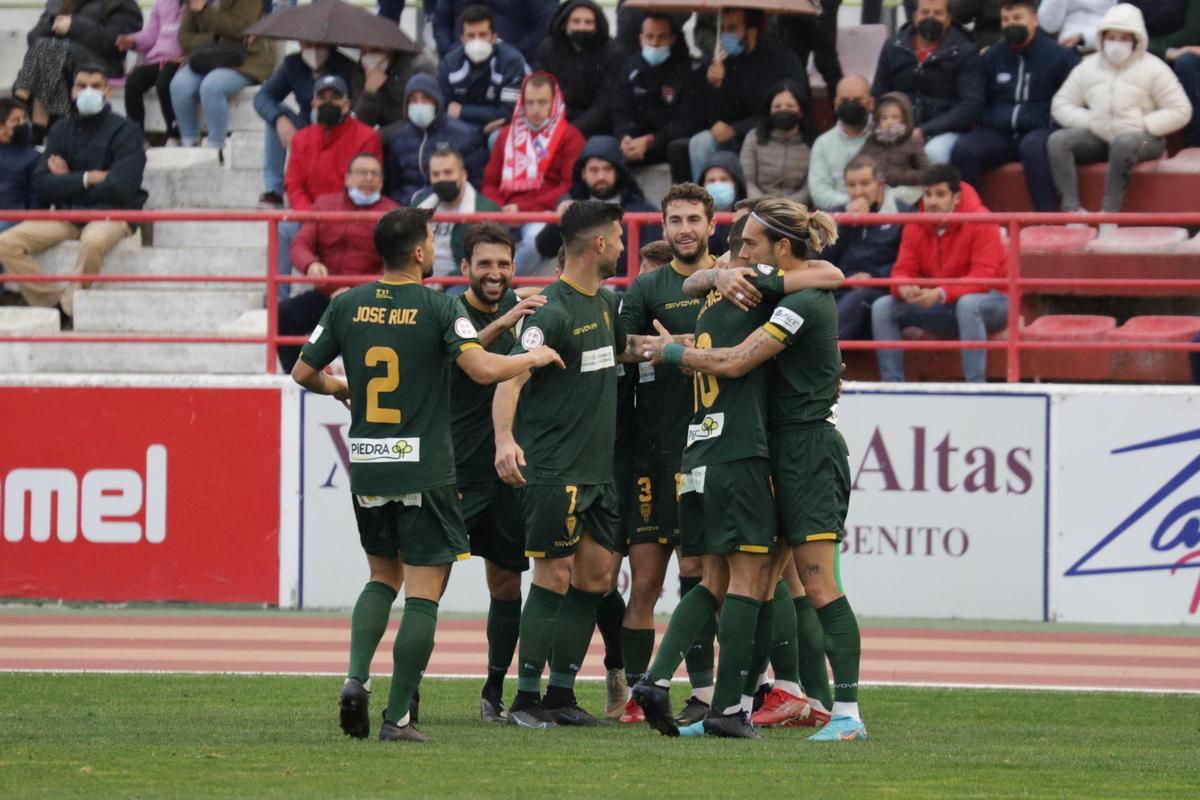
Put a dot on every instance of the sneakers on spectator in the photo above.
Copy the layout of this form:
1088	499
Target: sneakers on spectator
270	200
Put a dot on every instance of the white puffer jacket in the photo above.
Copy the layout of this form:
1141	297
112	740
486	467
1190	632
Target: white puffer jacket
1142	94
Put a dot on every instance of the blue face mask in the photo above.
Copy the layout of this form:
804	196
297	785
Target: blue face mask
655	55
732	45
422	114
89	101
723	194
361	199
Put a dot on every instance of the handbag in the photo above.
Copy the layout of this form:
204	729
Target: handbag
224	53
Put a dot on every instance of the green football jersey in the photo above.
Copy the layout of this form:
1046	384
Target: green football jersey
398	342
566	418
664	392
729	420
471	404
806	373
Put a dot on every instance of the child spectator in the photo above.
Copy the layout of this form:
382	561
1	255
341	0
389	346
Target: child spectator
158	45
890	143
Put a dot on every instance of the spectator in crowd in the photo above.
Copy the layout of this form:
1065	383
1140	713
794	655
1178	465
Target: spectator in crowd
585	59
938	67
600	174
533	160
983	17
738	80
955	250
481	77
654	256
900	159
70	32
323	249
1118	105
412	143
864	251
656	98
18	157
158	45
1162	17
93	159
804	34
450	192
1075	23
1022	73
209	34
722	177
294	77
852	104
378	87
629	24
775	156
521	23
1181	49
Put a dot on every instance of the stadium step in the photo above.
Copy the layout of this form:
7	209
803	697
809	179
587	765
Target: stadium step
69	357
169	261
21	321
249	235
1067	365
1147	366
1055	238
212	187
150	311
1138	239
1162	185
250	323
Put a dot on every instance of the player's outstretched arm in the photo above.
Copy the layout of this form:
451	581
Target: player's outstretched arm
734	285
817	275
509	455
723	362
509	320
486	368
317	382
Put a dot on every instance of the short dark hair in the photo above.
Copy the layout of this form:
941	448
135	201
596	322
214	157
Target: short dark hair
486	233
479	13
1008	5
399	233
540	79
746	203
9	105
659	16
583	217
89	67
445	150
735	235
362	155
690	193
863	162
657	253
942	173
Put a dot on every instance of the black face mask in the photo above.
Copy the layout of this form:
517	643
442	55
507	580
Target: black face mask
446	190
22	135
1016	35
584	40
784	120
329	114
852	112
930	29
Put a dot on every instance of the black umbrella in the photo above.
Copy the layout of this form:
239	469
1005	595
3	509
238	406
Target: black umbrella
333	22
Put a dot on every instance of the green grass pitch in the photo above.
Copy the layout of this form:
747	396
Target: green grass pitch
142	736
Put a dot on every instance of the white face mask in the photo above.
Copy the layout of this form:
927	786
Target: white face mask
314	57
1117	53
478	50
372	61
89	102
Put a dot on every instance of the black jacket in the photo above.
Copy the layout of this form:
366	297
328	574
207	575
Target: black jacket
663	100
748	78
95	25
585	76
1021	83
947	91
104	141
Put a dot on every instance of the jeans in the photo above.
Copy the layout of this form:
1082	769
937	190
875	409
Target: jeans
297	317
984	148
287	232
142	79
275	154
973	317
1071	146
1187	69
214	92
854	311
937	149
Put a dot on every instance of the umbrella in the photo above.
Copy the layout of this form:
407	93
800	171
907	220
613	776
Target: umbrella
333	22
715	6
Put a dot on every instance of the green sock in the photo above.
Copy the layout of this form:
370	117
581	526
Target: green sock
844	647
368	623
410	654
572	635
637	644
764	635
810	641
785	653
608	621
503	626
695	609
735	633
537	636
700	656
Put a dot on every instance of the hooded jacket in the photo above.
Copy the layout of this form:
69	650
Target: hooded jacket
486	91
521	23
728	161
869	248
409	148
1141	95
903	160
946	90
583	75
964	250
1021	83
319	156
555	180
664	101
95	26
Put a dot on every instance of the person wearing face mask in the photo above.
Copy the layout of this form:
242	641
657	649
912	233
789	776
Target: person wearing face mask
409	145
377	86
93	159
934	62
775	156
294	77
1022	74
18	157
723	179
1118	105
323	249
1180	47
481	77
449	192
656	98
901	161
853	104
584	58
521	23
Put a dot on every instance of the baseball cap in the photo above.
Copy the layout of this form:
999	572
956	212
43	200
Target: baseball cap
331	82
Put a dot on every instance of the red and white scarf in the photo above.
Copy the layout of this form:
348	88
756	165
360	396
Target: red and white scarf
528	153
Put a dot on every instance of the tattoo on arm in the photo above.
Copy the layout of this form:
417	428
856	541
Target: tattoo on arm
810	571
700	282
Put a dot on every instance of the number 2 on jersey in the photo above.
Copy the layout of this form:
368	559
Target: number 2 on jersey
705	387
387	382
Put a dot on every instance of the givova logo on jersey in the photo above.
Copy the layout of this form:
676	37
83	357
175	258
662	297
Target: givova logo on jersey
367	451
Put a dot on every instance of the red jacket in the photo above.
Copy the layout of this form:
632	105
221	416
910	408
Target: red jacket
963	251
345	248
556	183
318	159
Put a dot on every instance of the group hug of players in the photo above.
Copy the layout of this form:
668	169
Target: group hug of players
695	415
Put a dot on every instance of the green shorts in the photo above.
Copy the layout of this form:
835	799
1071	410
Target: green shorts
493	519
654	516
728	507
423	535
811	469
557	516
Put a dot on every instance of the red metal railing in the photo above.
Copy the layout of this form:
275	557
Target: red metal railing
1014	284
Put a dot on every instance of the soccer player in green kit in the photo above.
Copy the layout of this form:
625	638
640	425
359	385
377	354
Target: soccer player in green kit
398	341
561	460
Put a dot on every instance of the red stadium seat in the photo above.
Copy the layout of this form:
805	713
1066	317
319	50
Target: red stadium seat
1138	239
1056	238
946	365
1148	366
1184	161
1066	365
